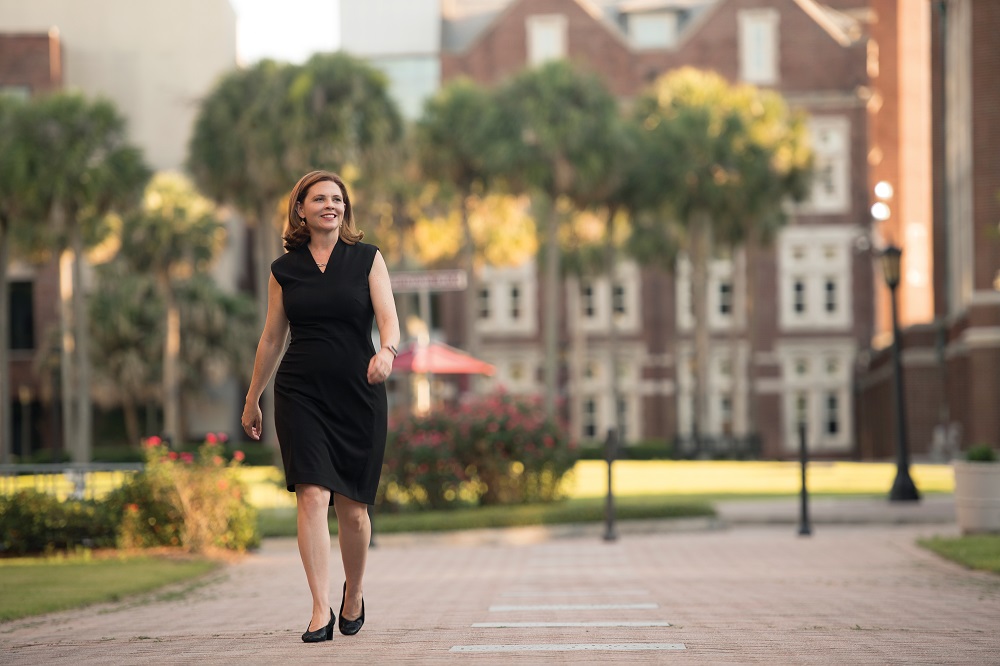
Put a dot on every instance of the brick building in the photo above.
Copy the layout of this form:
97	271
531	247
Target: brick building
951	365
820	303
30	64
155	78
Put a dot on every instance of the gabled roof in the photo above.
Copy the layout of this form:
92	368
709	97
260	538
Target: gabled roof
845	29
467	21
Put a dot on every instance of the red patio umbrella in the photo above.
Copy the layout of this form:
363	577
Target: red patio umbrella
438	358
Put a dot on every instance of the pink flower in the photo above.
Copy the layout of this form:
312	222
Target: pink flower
239	456
211	439
173	455
223	437
153	442
217	460
187	457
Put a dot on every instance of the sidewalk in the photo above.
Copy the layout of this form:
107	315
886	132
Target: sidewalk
731	592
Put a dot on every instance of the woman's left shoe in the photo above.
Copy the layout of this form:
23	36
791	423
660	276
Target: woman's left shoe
350	627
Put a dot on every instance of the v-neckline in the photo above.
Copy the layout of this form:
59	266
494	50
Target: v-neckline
312	259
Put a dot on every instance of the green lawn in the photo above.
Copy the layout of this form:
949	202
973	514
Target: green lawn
976	551
31	586
281	521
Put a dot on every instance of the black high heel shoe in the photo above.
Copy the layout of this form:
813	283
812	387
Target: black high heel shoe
324	633
350	627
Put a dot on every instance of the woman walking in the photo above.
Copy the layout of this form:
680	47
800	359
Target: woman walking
330	412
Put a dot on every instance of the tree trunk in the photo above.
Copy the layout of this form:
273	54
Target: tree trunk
550	315
82	346
471	289
752	255
737	376
6	423
171	354
701	253
578	356
70	428
131	420
469	265
610	261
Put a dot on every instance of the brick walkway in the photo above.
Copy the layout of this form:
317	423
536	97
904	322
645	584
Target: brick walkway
849	594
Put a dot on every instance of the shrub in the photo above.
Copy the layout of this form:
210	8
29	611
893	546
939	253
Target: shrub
498	449
981	453
34	522
191	500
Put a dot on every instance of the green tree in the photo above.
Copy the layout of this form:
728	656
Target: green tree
262	128
174	236
219	334
721	161
558	124
126	319
82	169
455	139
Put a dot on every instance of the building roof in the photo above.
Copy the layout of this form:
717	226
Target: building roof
845	29
466	20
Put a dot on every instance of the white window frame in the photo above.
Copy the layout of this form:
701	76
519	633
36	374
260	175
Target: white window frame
830	191
501	283
759	46
653	30
829	375
726	370
720	271
815	255
547	38
628	277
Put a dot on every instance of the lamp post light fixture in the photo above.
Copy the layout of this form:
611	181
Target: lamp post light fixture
902	488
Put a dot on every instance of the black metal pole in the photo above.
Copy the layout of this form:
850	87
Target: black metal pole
610	453
804	527
903	489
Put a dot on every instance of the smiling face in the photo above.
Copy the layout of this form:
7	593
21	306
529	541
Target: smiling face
323	207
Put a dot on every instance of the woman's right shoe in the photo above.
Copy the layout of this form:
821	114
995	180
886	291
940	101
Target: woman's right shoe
350	627
324	633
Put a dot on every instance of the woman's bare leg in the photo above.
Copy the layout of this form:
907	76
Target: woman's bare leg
314	547
354	533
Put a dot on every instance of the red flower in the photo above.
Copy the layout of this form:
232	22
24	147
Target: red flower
153	442
239	456
211	439
187	457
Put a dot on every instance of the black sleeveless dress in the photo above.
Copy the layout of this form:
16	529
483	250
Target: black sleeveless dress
330	422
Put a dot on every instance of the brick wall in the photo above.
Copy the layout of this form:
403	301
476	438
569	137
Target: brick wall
33	61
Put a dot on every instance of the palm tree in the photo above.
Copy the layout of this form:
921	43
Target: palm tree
727	158
126	319
261	128
174	236
455	138
82	169
556	121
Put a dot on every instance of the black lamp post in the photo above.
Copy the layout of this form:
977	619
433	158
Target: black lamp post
902	488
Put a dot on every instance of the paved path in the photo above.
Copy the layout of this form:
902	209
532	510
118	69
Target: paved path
677	593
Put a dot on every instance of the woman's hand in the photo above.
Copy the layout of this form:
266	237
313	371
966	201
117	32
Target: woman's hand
251	419
380	367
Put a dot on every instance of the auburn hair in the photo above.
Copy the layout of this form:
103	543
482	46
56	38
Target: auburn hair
296	234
